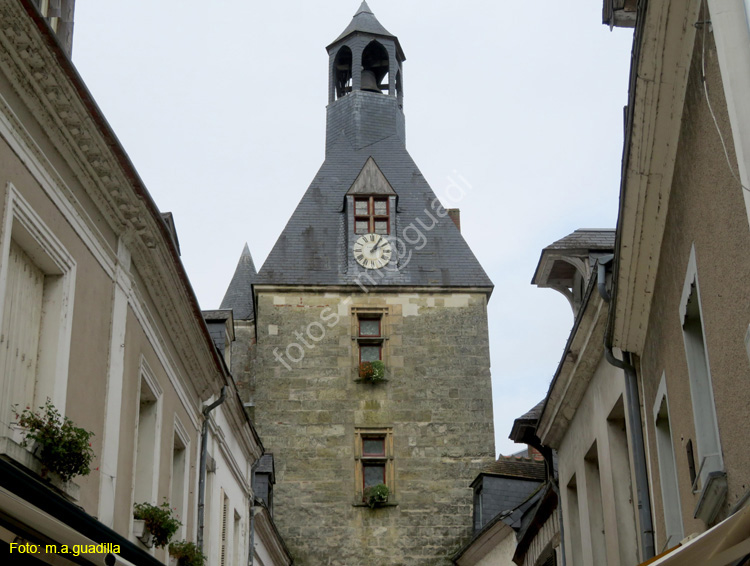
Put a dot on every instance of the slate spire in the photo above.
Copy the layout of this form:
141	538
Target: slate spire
239	296
364	21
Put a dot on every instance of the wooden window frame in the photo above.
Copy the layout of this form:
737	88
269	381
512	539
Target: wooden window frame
371	217
364	459
367	312
370	340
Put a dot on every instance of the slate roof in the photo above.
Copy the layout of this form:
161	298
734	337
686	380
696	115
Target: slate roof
587	239
515	467
534	413
239	296
524	427
364	21
313	248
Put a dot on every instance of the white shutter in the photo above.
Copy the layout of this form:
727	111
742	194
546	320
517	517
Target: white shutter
22	317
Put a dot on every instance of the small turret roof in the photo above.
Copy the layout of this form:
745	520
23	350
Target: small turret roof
239	296
364	21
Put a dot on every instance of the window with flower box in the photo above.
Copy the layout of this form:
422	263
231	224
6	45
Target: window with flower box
370	331
374	461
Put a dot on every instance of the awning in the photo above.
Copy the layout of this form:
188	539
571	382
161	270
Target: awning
721	545
35	509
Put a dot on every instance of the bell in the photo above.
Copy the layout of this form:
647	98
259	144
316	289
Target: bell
369	82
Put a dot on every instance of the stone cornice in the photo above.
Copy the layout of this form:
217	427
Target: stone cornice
67	120
663	48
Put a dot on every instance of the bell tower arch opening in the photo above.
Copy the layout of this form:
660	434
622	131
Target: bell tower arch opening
342	72
375	66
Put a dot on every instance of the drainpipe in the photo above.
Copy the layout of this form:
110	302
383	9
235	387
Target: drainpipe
251	553
634	421
202	470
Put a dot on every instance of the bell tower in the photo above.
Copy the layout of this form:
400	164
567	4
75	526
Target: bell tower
362	342
365	86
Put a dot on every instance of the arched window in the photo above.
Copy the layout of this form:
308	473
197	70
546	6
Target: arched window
375	68
342	69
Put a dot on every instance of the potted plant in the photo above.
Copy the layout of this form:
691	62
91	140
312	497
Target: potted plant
62	447
159	525
372	371
376	495
186	553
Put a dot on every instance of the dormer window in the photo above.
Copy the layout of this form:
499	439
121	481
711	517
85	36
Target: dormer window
371	216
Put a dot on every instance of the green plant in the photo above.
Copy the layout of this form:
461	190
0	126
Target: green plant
376	495
378	371
372	371
65	448
159	521
187	553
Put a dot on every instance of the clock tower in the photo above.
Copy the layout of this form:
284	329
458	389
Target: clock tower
362	342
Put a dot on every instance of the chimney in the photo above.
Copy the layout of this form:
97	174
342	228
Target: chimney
455	215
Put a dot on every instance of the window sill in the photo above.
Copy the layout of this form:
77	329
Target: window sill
363	504
21	455
370	381
712	496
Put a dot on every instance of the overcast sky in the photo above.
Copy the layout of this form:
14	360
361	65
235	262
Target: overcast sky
221	107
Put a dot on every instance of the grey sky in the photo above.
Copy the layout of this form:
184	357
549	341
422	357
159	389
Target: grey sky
221	107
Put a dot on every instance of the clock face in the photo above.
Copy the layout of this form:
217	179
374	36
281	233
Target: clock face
372	251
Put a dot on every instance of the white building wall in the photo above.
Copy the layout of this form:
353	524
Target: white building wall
604	488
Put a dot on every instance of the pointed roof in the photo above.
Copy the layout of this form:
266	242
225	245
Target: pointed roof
371	181
314	249
239	296
364	21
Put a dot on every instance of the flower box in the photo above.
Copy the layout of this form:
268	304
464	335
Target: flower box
142	533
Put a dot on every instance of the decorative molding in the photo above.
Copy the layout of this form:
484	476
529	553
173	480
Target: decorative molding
71	124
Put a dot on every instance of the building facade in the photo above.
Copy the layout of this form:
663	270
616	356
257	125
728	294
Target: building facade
679	308
366	361
99	320
648	409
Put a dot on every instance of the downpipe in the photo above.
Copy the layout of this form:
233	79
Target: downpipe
251	552
634	421
202	469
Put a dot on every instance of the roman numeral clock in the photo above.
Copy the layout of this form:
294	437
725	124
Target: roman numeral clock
372	251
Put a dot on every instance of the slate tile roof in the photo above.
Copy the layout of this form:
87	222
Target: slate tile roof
517	467
239	296
534	413
313	248
586	239
364	21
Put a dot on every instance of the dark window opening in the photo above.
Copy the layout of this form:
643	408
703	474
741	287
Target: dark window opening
374	474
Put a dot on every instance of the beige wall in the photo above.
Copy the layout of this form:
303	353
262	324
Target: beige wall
604	487
706	210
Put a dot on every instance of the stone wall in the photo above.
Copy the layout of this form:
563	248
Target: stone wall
309	401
